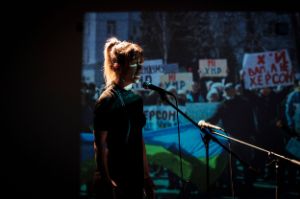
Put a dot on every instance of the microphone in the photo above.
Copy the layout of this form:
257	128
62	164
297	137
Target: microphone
148	85
204	124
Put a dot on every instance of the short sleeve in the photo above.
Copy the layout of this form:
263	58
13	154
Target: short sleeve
102	114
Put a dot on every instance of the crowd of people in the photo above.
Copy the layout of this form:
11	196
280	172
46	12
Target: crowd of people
264	117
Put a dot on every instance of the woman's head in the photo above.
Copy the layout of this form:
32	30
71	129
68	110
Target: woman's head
122	61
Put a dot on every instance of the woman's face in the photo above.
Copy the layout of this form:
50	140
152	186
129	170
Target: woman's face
133	71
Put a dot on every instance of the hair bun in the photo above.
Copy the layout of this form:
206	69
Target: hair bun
112	41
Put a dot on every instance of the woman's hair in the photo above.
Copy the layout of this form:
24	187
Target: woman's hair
116	54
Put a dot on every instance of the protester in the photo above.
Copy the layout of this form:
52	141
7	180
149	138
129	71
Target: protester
237	119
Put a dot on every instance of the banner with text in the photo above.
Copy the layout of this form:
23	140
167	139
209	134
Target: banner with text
212	67
267	69
152	70
159	117
164	116
181	81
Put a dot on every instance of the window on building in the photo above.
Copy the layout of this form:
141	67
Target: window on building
133	35
282	28
277	28
269	29
111	28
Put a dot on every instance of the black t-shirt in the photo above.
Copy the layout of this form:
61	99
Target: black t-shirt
120	113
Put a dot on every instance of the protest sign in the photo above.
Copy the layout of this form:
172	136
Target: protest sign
267	69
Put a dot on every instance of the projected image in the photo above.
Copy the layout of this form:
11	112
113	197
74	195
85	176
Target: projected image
237	72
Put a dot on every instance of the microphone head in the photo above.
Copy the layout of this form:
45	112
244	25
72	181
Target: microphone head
201	122
146	85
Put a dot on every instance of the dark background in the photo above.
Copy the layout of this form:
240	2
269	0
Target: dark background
41	70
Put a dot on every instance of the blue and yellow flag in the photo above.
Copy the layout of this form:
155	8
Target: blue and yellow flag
162	149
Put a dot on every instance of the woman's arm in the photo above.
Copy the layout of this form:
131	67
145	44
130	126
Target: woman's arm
101	149
146	164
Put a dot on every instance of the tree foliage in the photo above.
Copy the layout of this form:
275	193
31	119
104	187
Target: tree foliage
186	37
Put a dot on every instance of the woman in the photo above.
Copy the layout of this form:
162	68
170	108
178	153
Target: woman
122	167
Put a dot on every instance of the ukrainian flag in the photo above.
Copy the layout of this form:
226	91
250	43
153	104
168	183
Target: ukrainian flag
162	150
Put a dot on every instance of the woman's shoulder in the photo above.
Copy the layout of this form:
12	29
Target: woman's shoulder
105	99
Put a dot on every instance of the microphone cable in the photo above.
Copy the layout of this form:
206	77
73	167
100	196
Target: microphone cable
146	85
230	168
179	139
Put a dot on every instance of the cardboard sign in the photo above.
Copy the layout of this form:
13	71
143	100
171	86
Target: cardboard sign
267	69
182	81
212	67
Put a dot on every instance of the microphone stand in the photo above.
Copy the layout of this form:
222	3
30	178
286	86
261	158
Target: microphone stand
270	154
206	143
208	136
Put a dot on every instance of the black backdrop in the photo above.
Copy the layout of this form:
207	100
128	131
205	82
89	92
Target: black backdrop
40	70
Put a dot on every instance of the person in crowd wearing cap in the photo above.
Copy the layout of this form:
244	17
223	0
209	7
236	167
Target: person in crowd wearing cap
196	94
291	125
182	97
291	106
213	96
